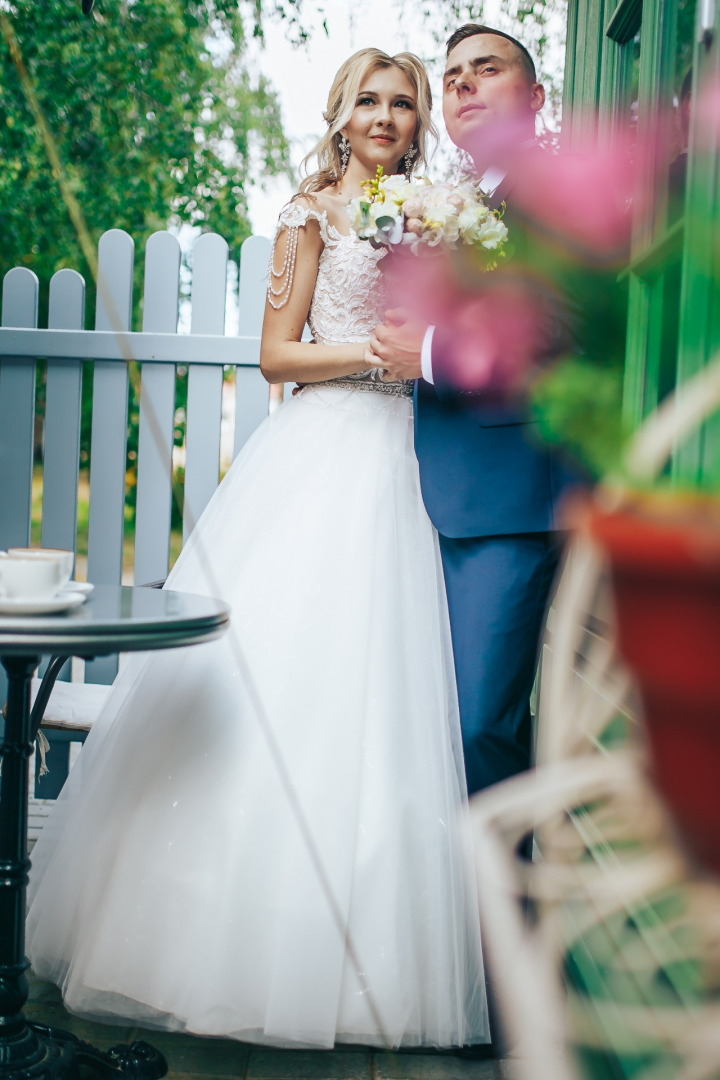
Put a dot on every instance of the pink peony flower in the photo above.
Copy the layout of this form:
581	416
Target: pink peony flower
413	207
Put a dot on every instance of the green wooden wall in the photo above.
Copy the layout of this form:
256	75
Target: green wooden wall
624	67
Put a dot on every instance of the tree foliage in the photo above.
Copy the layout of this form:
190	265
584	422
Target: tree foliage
156	119
154	115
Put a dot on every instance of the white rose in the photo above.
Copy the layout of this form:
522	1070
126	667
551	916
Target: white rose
467	192
493	233
443	218
470	222
397	188
433	237
384	209
436	194
439	215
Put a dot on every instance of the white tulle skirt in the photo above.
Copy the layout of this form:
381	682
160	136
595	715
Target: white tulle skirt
294	875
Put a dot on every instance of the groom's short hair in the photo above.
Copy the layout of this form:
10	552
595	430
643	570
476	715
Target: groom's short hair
471	29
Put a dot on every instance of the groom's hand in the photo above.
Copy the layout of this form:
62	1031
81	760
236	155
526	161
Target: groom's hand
395	346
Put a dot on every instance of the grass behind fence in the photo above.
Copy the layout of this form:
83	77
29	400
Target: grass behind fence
82	528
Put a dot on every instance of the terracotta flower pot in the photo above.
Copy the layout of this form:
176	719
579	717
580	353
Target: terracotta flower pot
664	555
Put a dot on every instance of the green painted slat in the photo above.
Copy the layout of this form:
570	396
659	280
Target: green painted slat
700	297
645	307
654	339
593	53
625	21
611	84
634	382
571	52
586	41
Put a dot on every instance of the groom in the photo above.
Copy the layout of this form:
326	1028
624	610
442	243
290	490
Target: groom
489	490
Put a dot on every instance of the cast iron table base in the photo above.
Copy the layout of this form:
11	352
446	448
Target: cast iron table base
32	1051
52	1054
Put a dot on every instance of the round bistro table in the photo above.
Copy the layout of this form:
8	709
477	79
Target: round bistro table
113	619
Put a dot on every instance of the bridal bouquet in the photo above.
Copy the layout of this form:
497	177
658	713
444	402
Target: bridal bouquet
395	211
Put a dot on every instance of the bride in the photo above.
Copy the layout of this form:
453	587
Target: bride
262	837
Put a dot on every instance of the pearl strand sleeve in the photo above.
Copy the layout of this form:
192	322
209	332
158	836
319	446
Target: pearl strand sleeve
279	296
279	282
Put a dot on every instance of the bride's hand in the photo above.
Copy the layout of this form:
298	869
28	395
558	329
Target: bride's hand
374	361
395	346
371	359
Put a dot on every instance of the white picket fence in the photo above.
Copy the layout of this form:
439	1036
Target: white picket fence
159	349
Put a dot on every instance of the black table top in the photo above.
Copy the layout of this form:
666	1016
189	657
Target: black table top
117	619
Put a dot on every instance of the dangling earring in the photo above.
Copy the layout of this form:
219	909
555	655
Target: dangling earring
408	159
344	154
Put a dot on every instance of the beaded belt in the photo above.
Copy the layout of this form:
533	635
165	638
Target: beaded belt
397	389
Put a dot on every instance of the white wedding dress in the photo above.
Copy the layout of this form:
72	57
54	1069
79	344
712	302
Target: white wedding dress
295	876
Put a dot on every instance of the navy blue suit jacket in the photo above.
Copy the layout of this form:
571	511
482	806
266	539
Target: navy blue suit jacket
482	473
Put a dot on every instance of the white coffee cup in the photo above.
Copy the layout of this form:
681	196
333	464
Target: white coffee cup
34	573
66	558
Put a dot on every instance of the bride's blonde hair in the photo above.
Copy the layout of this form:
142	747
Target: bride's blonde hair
341	103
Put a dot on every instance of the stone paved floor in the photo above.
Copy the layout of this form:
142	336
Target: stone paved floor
191	1058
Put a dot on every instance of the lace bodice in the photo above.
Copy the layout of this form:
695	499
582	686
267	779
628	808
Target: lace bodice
349	298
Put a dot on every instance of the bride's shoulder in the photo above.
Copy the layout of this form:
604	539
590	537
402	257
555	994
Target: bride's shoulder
325	207
304	208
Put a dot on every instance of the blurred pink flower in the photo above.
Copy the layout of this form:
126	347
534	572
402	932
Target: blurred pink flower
579	202
422	284
708	115
569	217
568	220
496	338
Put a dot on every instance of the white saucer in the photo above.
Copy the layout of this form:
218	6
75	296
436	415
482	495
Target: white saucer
79	586
63	602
